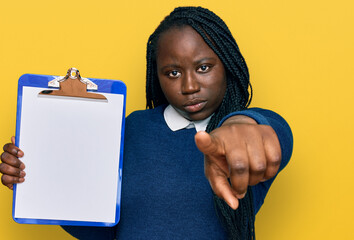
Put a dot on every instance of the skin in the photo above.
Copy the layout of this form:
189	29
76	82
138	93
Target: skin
193	80
12	167
242	151
191	75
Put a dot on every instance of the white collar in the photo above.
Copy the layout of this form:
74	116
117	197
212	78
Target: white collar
175	121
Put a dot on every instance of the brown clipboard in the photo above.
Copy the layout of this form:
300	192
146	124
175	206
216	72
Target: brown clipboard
72	85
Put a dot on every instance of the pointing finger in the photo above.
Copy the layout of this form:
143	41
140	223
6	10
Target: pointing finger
220	185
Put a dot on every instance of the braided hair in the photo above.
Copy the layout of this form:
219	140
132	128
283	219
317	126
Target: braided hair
239	223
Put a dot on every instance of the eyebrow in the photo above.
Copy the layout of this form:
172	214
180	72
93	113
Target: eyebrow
169	66
199	61
204	60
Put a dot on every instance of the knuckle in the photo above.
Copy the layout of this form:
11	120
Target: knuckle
259	168
275	160
267	128
6	146
217	192
2	167
239	167
234	128
207	173
11	149
4	155
5	179
208	169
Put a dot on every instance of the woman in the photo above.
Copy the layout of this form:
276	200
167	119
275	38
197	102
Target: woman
198	80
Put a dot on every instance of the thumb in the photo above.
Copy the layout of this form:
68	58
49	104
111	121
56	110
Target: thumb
206	143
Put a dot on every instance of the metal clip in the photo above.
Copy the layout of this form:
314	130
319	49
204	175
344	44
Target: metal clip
72	73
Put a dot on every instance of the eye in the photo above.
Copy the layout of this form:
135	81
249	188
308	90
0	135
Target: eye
174	74
203	68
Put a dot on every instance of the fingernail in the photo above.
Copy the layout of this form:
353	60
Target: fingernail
22	174
22	166
240	196
19	153
234	205
21	180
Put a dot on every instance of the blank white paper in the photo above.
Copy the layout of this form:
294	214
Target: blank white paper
72	149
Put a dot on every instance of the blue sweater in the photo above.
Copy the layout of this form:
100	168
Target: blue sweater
165	194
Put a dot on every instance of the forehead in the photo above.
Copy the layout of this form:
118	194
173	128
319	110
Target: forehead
182	41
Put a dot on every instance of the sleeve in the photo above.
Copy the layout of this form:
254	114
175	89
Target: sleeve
285	136
91	233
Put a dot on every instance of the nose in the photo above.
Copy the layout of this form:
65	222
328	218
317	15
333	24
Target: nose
190	84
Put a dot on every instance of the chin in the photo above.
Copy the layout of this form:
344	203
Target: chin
197	116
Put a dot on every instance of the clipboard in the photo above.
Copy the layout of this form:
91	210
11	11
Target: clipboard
71	130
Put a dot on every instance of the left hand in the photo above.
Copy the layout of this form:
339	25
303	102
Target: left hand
239	150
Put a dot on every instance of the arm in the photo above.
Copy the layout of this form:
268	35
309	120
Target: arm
248	148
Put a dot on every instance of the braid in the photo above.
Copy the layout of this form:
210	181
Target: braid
239	224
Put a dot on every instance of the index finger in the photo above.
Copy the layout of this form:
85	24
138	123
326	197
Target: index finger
13	150
220	185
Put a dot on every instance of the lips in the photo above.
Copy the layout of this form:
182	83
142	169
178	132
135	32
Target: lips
194	105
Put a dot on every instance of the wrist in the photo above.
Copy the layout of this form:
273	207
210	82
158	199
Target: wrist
239	119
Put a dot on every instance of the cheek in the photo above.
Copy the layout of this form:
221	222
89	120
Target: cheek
223	86
162	85
220	88
219	78
169	90
220	94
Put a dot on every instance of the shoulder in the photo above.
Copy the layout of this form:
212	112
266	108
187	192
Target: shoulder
147	112
143	118
146	115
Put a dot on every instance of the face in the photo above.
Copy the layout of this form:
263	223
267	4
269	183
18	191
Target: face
191	75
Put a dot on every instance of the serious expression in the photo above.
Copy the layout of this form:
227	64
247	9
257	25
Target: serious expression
191	75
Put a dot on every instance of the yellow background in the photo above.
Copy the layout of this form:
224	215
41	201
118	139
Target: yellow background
300	55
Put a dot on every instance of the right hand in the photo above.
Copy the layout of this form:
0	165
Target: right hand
11	166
